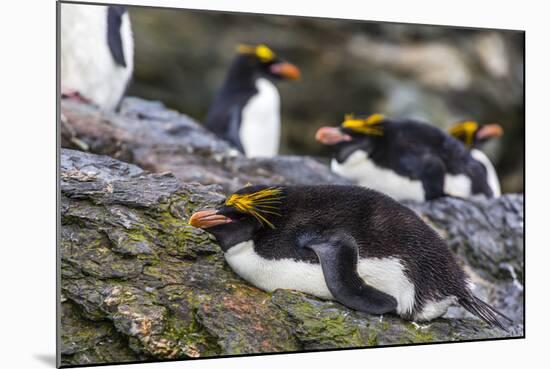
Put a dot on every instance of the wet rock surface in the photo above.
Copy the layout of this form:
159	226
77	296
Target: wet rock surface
139	283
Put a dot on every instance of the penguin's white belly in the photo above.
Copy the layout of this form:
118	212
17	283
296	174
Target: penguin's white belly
260	129
272	274
386	274
458	185
87	65
366	173
492	178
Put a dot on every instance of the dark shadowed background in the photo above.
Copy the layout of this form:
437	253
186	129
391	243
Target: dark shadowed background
437	74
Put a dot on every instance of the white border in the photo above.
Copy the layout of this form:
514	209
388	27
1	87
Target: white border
28	181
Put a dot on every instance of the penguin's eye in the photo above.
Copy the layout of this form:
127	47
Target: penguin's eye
231	212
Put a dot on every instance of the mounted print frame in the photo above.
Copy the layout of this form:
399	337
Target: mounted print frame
246	184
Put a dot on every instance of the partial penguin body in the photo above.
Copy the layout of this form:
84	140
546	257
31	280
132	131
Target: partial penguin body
248	117
473	135
410	160
492	178
365	172
383	273
388	252
346	243
97	53
246	110
260	132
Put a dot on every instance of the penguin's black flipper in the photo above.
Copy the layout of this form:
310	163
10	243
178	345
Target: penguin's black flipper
432	171
234	126
114	38
224	119
338	258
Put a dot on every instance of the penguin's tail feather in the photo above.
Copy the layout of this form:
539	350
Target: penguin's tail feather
484	311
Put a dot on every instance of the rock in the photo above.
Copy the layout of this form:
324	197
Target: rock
139	283
160	140
470	226
434	64
326	324
87	342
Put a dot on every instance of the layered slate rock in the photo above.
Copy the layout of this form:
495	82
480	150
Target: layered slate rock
139	283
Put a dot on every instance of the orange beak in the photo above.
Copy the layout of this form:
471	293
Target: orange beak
286	70
208	218
489	131
331	136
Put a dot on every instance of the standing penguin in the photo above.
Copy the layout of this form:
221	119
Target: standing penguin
246	111
347	243
404	158
474	135
97	53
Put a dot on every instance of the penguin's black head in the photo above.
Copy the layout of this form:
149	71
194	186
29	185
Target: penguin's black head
263	60
243	213
473	134
353	134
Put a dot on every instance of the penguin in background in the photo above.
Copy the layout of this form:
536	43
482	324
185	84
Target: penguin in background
345	243
246	110
474	135
404	158
97	53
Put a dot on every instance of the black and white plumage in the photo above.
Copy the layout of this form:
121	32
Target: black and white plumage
246	110
403	158
474	135
346	243
97	53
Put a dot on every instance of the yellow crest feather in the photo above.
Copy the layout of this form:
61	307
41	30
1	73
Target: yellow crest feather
262	52
466	129
370	125
259	204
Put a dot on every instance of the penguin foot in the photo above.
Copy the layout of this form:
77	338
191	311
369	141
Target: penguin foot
68	132
71	94
419	326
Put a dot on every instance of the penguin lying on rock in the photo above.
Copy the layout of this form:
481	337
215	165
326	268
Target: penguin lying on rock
347	243
474	135
403	158
246	111
97	52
